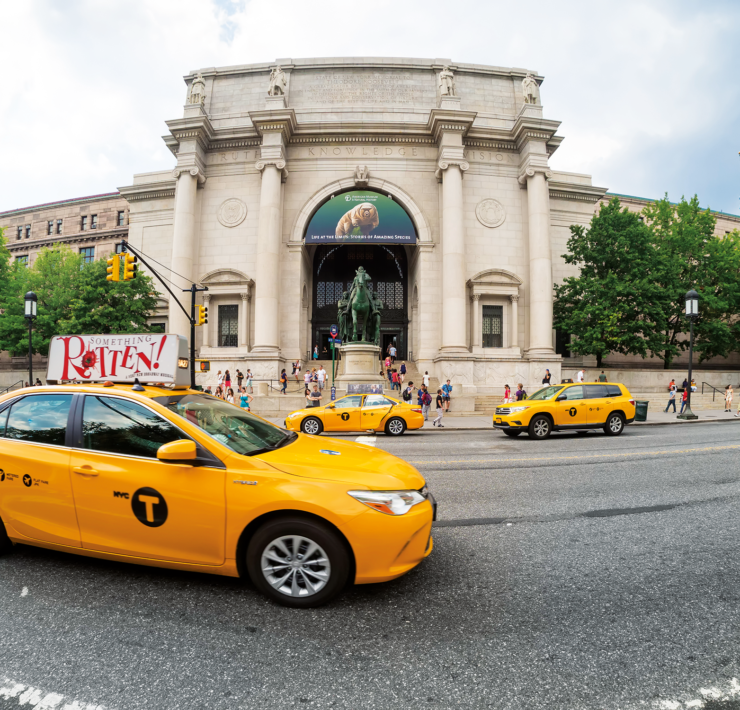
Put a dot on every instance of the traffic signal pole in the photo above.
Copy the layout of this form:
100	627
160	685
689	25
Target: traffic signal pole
193	291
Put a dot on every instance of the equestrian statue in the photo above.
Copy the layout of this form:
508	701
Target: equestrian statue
359	312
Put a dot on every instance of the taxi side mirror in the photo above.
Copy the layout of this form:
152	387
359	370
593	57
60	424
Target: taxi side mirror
561	398
180	451
330	406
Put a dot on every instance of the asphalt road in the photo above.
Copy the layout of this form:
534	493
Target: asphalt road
579	572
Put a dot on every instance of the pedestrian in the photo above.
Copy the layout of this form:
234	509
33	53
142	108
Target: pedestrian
324	353
546	379
307	395
315	352
296	369
381	373
245	399
580	375
321	377
307	379
728	398
230	396
507	394
283	382
394	380
447	393
685	384
227	379
402	373
440	409
207	390
249	385
315	396
388	362
38	383
693	385
671	399
219	378
521	393
239	379
425	399
602	377
684	400
389	374
426	379
314	376
393	354
408	393
219	392
672	385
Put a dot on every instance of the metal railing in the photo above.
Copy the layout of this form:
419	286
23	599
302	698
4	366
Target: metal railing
715	390
18	384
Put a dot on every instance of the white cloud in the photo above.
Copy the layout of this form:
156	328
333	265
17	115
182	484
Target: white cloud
643	89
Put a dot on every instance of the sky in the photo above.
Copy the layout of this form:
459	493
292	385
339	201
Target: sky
647	92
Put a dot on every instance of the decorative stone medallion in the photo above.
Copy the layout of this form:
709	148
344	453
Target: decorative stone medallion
490	213
232	212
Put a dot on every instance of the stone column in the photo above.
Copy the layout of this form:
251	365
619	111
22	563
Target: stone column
540	263
183	242
266	299
244	320
453	256
514	327
475	333
206	340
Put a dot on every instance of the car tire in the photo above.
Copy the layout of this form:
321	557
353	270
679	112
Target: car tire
312	425
328	565
395	426
511	433
614	424
540	427
6	546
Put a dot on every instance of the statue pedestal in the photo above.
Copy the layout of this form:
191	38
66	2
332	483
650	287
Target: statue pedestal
360	365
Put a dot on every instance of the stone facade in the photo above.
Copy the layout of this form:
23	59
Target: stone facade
467	157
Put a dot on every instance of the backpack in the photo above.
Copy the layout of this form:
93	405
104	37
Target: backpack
426	398
406	395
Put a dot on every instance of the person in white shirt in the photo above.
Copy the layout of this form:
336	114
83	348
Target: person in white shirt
426	378
321	374
580	375
307	379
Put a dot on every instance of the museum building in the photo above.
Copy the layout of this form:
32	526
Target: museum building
466	222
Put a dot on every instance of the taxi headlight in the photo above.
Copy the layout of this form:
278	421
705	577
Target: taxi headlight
390	502
518	409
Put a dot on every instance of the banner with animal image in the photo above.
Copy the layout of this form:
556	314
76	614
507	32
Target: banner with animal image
361	217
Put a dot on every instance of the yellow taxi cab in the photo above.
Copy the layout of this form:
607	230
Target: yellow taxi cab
358	412
580	407
172	477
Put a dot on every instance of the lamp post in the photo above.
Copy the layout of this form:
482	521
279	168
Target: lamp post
30	314
692	313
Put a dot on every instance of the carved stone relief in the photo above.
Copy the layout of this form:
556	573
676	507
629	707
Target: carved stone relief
232	212
490	213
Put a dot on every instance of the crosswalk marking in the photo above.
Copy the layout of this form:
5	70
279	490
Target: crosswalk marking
18	695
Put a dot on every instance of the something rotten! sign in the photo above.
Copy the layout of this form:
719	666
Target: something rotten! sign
150	357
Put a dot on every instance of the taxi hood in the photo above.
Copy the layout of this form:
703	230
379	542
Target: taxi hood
327	459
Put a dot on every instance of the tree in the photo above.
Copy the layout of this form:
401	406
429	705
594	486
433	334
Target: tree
692	256
611	305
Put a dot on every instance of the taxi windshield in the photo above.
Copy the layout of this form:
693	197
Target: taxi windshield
241	431
546	393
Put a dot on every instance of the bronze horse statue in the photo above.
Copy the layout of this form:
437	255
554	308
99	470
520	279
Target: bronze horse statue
361	305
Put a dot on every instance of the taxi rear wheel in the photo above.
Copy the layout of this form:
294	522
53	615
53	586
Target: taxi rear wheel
614	424
508	432
312	425
395	427
298	562
540	427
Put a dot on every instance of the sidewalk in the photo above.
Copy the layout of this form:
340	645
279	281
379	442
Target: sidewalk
654	418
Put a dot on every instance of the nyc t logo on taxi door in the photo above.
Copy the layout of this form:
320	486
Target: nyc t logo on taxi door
572	411
345	416
150	507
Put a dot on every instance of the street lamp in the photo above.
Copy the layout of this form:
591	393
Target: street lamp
692	313
30	314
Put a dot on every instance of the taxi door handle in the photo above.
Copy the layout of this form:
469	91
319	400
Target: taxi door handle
85	471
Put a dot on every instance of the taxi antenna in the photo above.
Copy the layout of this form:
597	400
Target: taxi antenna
137	386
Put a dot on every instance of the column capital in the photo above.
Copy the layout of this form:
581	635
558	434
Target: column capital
279	163
446	161
196	172
531	170
206	298
246	296
514	298
475	297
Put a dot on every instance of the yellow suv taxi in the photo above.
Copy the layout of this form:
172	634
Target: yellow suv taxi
579	407
176	478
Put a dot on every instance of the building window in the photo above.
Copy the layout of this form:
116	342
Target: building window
88	254
22	259
94	222
228	330
493	326
121	218
83	224
50	227
59	226
157	327
20	233
28	231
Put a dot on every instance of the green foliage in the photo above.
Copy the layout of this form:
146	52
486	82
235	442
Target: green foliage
73	298
630	295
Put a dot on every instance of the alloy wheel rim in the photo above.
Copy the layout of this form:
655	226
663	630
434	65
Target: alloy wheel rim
296	566
615	424
541	428
311	427
395	427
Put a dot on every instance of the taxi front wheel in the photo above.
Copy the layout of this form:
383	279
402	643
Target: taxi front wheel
312	425
540	427
298	562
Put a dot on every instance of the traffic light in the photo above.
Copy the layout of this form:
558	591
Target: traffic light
201	315
129	266
114	272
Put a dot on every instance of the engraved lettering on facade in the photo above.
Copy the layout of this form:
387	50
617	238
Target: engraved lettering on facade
364	88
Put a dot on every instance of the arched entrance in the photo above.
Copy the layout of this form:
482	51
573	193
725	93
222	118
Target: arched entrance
334	267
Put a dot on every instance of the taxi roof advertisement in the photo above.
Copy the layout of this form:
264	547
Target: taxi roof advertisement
150	357
360	217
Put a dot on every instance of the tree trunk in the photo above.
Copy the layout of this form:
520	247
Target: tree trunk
599	360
